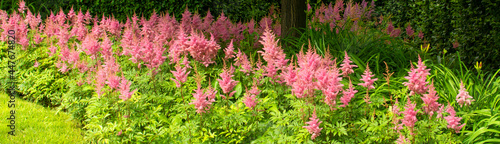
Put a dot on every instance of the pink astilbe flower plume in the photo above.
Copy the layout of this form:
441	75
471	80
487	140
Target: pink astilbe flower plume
227	83
346	66
203	98
201	49
410	116
229	51
402	139
430	101
367	78
417	78
463	96
313	126
453	122
395	120
348	94
242	61
180	74
124	89
250	98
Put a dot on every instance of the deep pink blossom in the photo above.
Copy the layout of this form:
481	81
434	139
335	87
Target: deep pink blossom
463	96
313	126
242	61
250	98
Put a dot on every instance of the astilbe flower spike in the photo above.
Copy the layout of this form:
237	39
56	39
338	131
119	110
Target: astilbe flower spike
348	94
229	51
227	83
313	126
417	78
395	120
410	116
346	66
124	89
402	139
367	78
180	74
463	96
203	98
430	101
250	99
453	122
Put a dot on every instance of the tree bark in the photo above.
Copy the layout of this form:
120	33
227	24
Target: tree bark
292	16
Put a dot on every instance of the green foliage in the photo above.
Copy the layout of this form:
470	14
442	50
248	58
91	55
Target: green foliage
237	10
473	24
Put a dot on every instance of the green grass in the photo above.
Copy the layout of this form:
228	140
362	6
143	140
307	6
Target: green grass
37	124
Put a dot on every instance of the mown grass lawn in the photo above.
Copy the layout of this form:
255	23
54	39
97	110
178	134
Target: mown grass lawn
37	124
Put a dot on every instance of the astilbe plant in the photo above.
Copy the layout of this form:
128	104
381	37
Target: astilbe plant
463	97
201	49
124	89
368	82
226	82
347	95
346	66
250	99
410	116
229	51
313	126
417	78
203	99
453	121
180	74
430	101
242	61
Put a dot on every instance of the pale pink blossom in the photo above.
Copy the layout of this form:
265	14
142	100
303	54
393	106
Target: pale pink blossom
227	83
36	64
453	122
463	96
417	78
348	94
124	89
430	101
229	51
410	116
180	75
402	139
346	66
367	78
313	126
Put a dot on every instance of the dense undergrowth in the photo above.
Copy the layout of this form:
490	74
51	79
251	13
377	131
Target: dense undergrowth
214	81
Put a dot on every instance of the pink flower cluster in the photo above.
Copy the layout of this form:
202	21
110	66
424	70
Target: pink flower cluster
346	65
250	99
367	78
453	122
313	126
348	94
417	78
180	74
410	116
125	89
430	101
227	83
463	96
203	98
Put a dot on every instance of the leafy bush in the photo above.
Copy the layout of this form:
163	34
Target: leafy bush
472	26
129	87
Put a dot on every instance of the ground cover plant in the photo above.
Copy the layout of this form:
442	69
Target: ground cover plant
350	78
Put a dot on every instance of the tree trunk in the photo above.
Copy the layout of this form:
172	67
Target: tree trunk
292	16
